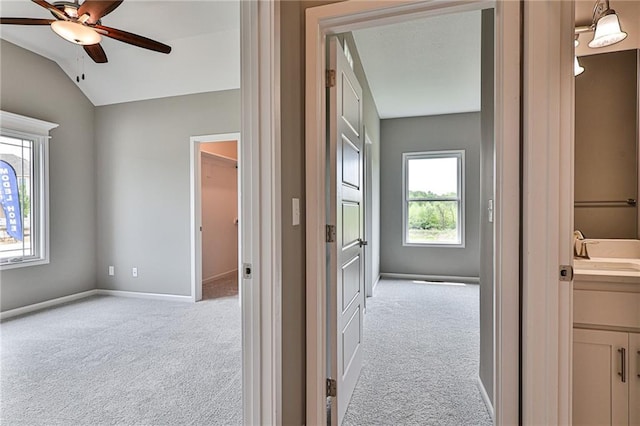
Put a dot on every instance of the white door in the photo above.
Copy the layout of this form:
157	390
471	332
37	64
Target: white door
346	212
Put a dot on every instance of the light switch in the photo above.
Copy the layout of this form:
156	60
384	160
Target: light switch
295	211
490	211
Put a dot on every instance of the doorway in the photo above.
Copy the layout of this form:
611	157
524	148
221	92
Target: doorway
333	19
215	210
431	155
219	233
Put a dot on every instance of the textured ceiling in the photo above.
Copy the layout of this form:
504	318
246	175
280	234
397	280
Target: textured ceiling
423	67
204	36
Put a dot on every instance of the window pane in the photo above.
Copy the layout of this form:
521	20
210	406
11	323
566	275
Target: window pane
432	177
433	222
16	213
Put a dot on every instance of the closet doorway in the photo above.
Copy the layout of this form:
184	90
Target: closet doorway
215	212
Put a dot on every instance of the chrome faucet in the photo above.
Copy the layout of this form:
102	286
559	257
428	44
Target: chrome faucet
579	240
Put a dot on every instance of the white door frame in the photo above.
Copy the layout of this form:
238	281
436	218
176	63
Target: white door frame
350	15
196	208
261	212
547	223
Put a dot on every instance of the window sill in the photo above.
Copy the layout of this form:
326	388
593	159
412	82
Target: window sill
23	264
434	245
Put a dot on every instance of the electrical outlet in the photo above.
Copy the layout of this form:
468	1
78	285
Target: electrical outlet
112	271
134	272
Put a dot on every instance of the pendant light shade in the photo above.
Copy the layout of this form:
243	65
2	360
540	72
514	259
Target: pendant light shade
577	68
608	32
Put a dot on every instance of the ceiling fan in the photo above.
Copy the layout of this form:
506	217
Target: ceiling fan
80	24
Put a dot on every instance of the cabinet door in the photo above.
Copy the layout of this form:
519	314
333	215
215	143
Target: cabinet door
634	378
600	397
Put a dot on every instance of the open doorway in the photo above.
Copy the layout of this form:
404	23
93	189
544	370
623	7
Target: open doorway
331	20
432	137
219	213
215	210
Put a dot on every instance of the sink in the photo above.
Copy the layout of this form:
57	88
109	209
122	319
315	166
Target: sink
606	265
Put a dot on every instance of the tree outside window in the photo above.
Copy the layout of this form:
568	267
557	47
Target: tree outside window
433	198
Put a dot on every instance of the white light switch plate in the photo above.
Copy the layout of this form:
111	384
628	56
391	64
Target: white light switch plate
295	211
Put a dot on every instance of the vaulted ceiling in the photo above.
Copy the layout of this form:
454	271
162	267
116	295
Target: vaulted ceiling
204	36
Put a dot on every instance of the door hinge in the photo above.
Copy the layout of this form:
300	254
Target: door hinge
331	78
330	233
332	388
566	272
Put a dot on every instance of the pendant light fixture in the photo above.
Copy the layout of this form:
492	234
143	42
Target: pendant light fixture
577	68
606	26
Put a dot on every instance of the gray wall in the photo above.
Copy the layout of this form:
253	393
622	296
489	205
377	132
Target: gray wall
371	122
415	134
142	166
36	87
293	185
487	163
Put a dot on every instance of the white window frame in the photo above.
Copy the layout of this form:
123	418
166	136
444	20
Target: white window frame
21	127
459	155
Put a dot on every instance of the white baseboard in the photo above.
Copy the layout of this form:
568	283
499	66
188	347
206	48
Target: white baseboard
485	398
140	295
444	278
72	297
46	304
218	276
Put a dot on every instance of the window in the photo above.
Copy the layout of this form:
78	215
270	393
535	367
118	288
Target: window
24	232
433	207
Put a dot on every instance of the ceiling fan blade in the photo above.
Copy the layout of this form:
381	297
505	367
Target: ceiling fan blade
134	39
52	9
97	9
25	21
96	52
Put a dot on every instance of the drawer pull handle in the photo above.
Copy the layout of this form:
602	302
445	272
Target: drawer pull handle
639	360
623	364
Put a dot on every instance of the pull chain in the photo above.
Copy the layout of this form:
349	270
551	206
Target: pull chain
79	67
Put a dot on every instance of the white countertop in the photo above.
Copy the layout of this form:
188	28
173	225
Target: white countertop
607	269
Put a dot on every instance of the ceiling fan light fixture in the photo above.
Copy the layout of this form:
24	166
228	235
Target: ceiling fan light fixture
71	11
76	33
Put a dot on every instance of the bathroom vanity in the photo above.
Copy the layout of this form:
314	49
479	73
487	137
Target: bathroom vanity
606	334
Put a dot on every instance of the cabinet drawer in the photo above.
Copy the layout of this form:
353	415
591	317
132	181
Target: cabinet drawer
606	308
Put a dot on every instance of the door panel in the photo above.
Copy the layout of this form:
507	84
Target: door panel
350	163
350	280
351	103
351	338
600	397
345	270
350	224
